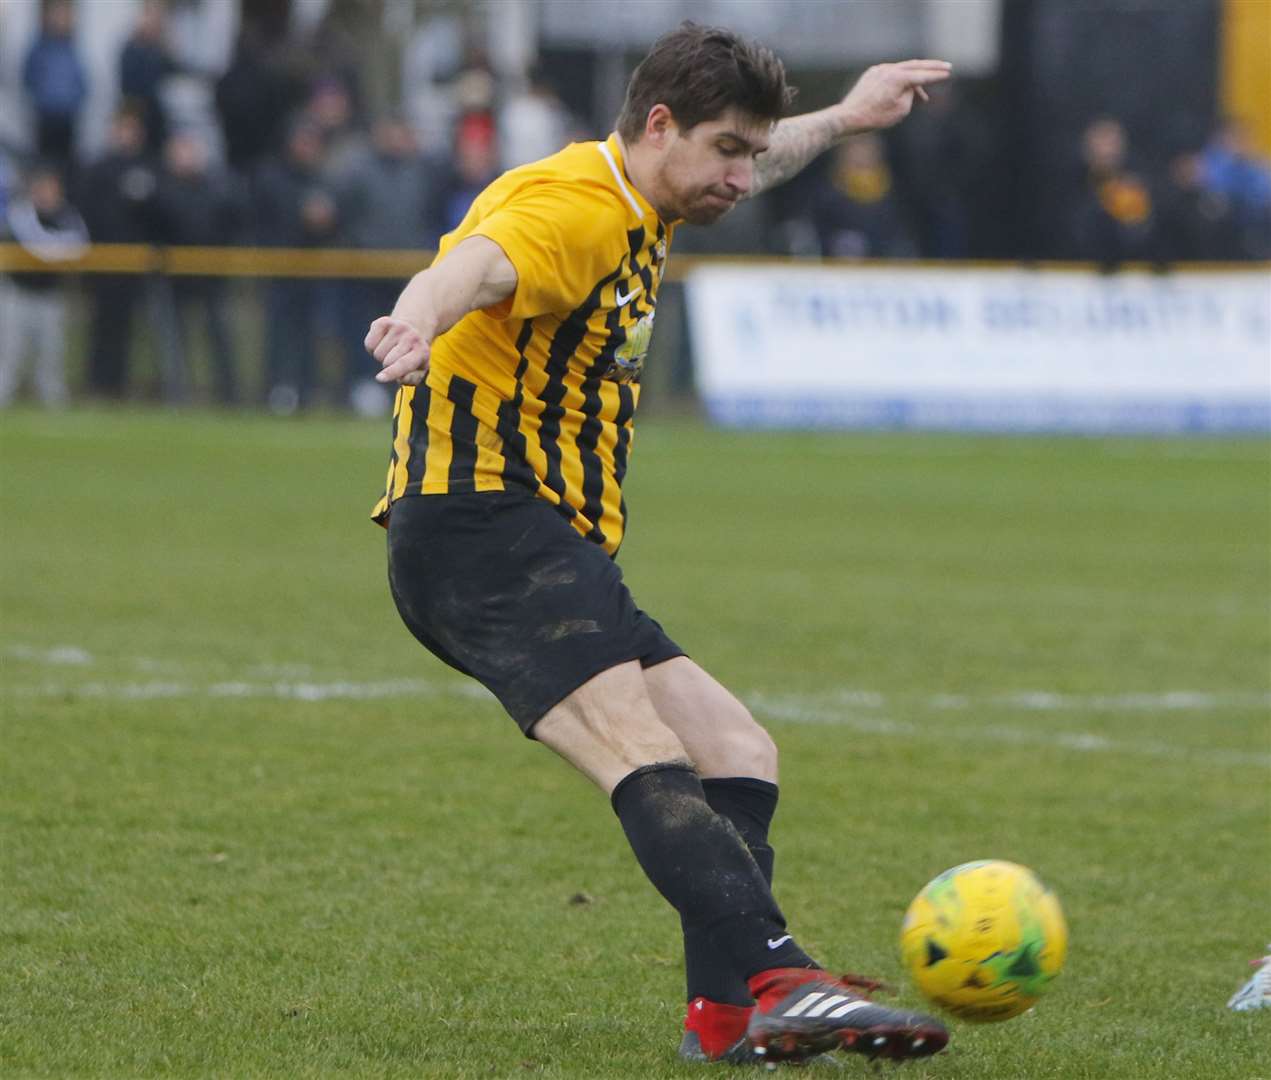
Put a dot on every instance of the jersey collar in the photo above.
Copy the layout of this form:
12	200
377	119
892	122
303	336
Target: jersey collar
611	151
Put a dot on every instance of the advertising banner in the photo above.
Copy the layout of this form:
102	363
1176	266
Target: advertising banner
1010	349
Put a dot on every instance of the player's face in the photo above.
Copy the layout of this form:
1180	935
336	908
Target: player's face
706	170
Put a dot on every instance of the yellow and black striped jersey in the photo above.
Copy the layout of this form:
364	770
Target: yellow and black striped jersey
540	390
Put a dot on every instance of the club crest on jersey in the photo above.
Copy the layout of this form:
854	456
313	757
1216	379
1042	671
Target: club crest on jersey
628	358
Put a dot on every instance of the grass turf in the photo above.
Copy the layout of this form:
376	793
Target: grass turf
250	829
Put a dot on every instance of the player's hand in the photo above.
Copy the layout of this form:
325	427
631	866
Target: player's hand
884	95
401	348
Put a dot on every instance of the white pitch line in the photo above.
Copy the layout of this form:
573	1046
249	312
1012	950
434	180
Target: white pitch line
1173	700
798	711
286	691
58	655
1048	701
855	710
288	680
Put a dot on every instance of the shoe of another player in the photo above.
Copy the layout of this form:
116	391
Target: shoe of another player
802	1013
1256	993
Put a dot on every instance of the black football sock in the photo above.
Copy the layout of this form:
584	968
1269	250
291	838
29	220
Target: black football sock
749	804
698	861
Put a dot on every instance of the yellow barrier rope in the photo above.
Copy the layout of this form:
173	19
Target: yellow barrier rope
223	261
400	265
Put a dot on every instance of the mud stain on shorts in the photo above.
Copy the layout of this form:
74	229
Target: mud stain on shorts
568	628
560	572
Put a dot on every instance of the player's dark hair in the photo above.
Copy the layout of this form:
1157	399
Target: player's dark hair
699	71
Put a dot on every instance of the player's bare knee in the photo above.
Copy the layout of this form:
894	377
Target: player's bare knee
608	737
742	748
636	735
761	750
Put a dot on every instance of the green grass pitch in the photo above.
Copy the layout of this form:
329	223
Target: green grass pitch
249	829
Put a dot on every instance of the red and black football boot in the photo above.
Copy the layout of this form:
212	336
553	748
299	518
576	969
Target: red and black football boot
802	1012
715	1032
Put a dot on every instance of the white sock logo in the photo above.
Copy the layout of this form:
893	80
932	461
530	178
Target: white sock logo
778	942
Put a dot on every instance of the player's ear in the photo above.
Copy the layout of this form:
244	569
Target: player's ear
659	125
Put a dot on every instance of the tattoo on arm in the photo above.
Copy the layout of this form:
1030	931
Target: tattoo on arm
796	141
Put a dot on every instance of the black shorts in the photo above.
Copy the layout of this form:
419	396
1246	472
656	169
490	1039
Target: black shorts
500	586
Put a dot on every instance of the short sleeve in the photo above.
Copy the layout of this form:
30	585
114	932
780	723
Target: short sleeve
563	238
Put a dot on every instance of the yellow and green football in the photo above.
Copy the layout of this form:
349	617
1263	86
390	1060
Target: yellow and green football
984	940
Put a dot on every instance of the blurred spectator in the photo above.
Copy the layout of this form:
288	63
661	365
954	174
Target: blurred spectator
33	305
473	92
430	60
200	206
330	107
54	79
532	124
475	149
254	98
855	210
8	181
475	164
1233	170
143	65
942	155
387	195
339	50
1195	223
117	199
296	207
388	190
1114	216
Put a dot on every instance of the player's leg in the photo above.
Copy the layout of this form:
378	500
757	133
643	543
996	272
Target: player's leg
798	1011
697	860
50	371
12	332
737	761
611	730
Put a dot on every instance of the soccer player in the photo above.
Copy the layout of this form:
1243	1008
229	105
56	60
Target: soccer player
518	353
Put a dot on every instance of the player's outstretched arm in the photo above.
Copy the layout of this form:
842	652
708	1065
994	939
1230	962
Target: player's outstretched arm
881	97
475	274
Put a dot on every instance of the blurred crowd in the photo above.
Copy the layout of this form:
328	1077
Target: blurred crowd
931	187
1207	203
294	158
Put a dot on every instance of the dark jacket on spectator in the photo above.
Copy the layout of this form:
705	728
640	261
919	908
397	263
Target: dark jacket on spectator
117	197
253	99
142	68
282	191
389	202
208	210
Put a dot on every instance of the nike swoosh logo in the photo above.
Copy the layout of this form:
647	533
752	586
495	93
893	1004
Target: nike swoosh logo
621	300
779	942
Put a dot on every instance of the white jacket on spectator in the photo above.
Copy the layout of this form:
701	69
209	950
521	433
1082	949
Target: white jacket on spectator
33	305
